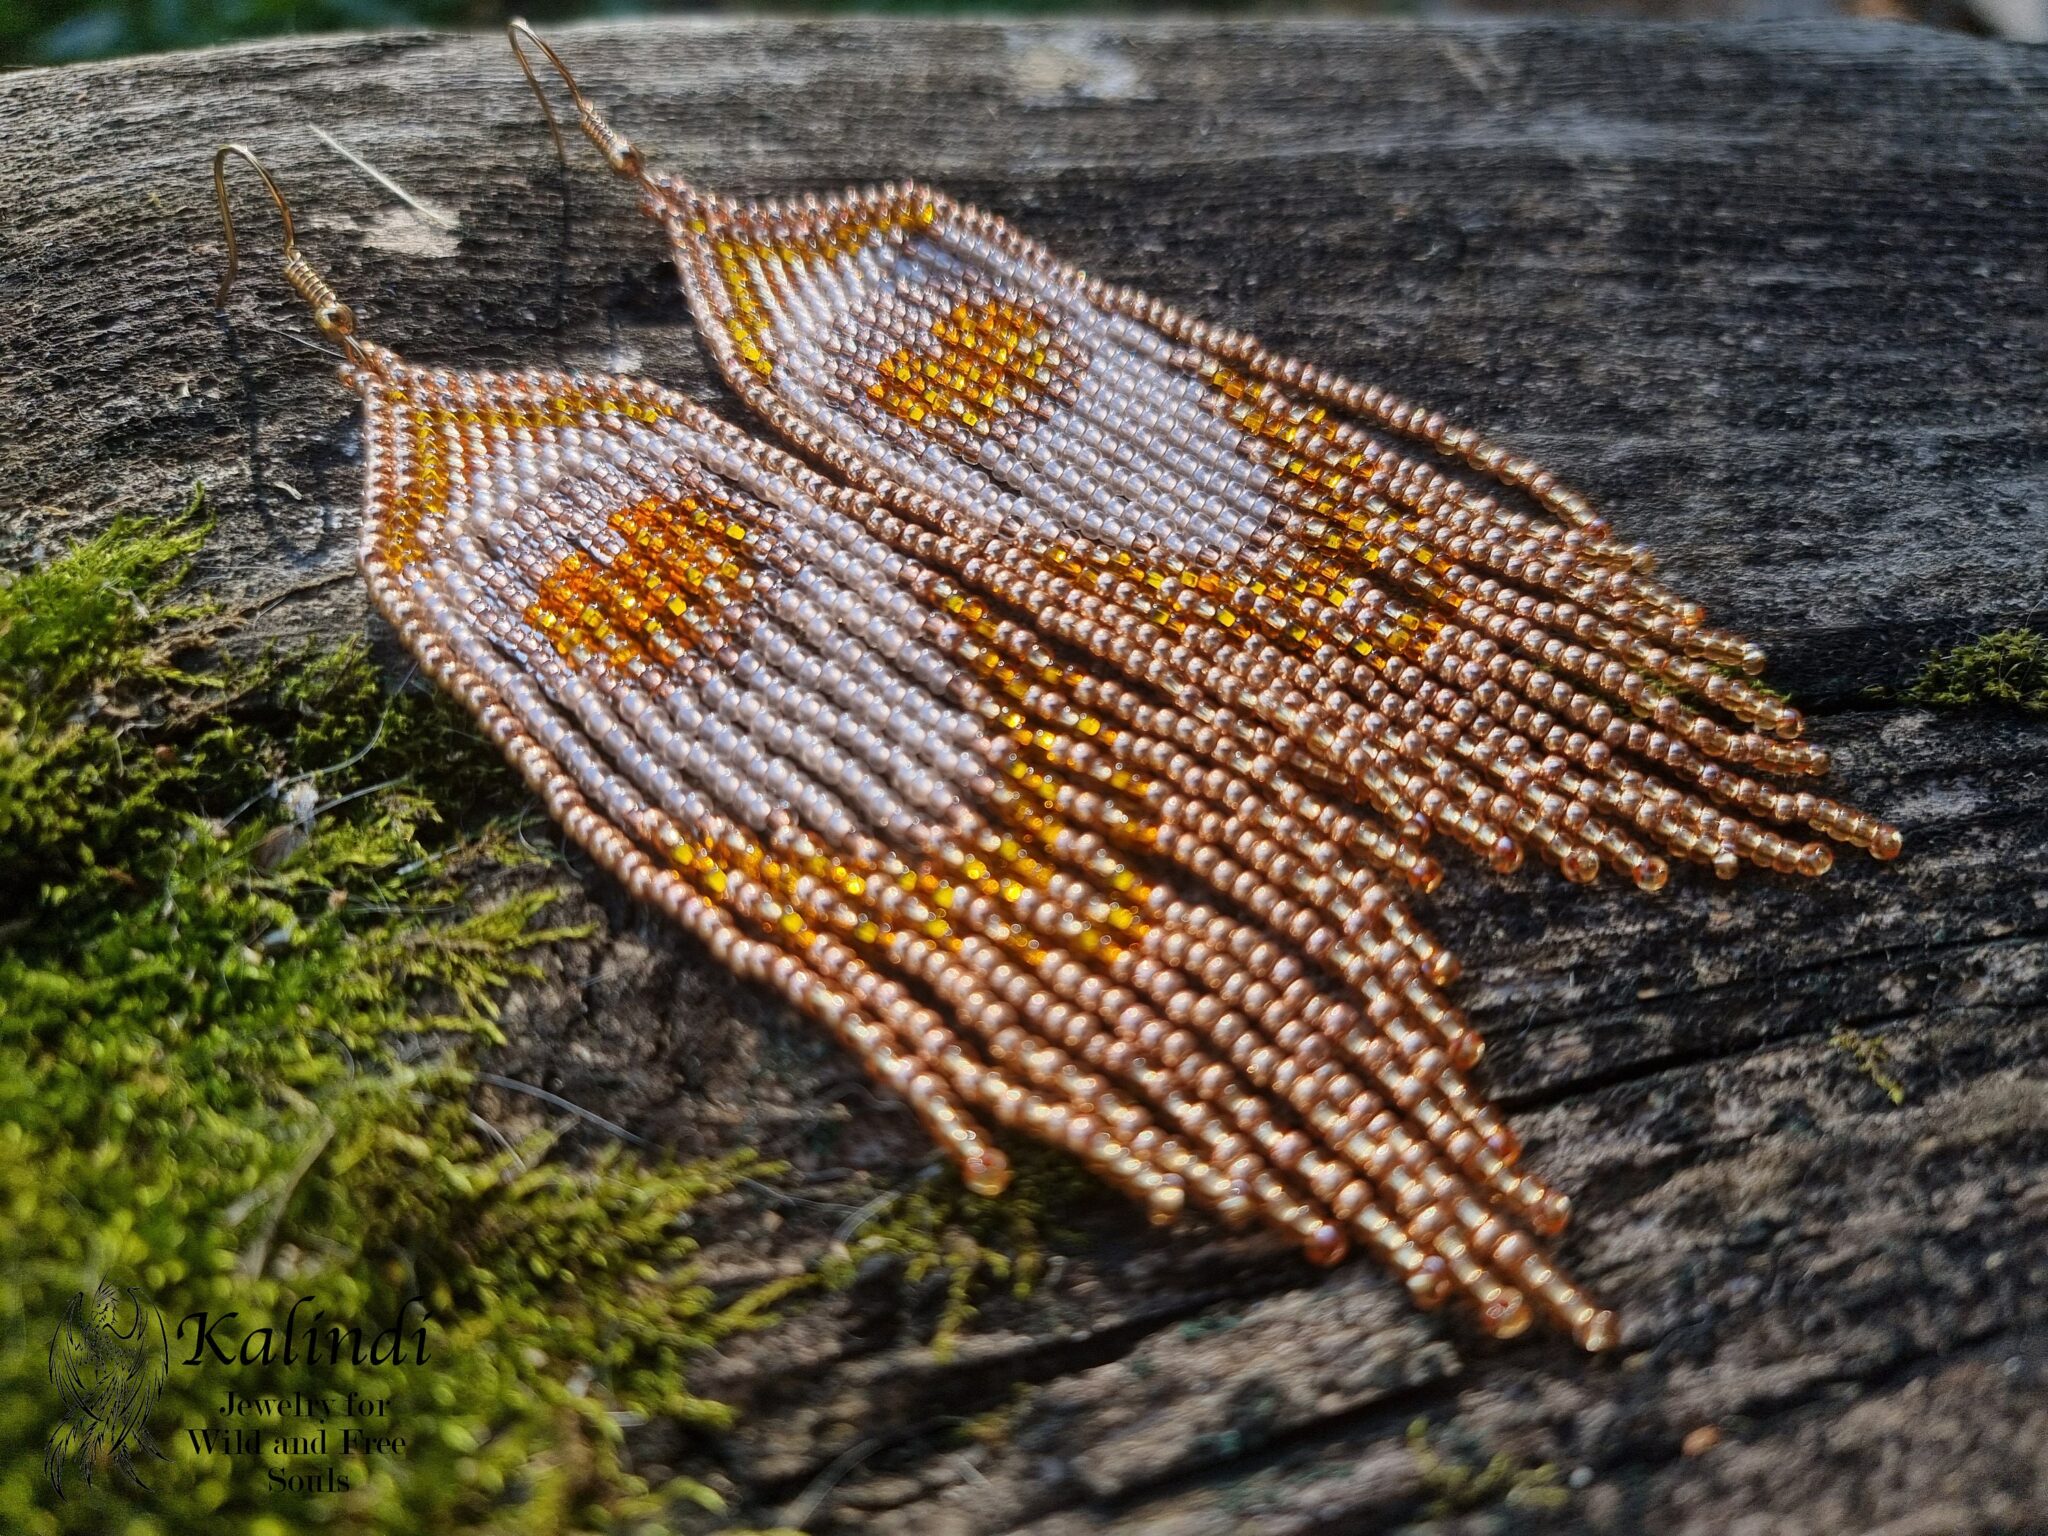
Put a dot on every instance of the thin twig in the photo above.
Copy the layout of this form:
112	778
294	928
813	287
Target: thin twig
426	211
355	794
300	589
232	616
850	1228
513	1085
271	791
807	1503
257	1255
784	1197
499	1137
305	341
341	1045
376	736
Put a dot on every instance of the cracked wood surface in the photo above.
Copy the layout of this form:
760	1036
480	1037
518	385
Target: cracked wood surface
1772	296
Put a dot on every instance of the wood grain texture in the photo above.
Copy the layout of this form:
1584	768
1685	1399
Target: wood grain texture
1773	296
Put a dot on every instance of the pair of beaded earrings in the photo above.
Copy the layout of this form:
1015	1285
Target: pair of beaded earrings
1065	756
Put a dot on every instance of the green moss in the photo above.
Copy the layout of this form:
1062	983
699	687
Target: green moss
1456	1487
971	1243
1873	1058
1663	689
2005	669
245	908
997	1425
1768	690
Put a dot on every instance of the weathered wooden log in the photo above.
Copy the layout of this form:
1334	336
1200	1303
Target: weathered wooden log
1774	297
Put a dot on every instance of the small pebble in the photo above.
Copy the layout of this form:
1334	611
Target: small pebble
1701	1440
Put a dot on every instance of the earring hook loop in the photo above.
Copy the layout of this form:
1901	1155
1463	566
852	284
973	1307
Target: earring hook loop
617	149
334	319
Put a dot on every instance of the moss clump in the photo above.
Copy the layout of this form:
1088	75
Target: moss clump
1211	1323
1873	1058
1455	1487
251	915
1769	690
2007	669
997	1425
1734	674
970	1242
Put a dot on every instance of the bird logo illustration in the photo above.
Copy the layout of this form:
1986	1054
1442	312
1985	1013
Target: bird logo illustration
110	1369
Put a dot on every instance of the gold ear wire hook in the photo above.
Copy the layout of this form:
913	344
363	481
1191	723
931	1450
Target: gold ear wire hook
334	319
617	149
227	218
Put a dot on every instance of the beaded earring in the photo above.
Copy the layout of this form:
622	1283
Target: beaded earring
1283	653
1180	501
987	867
